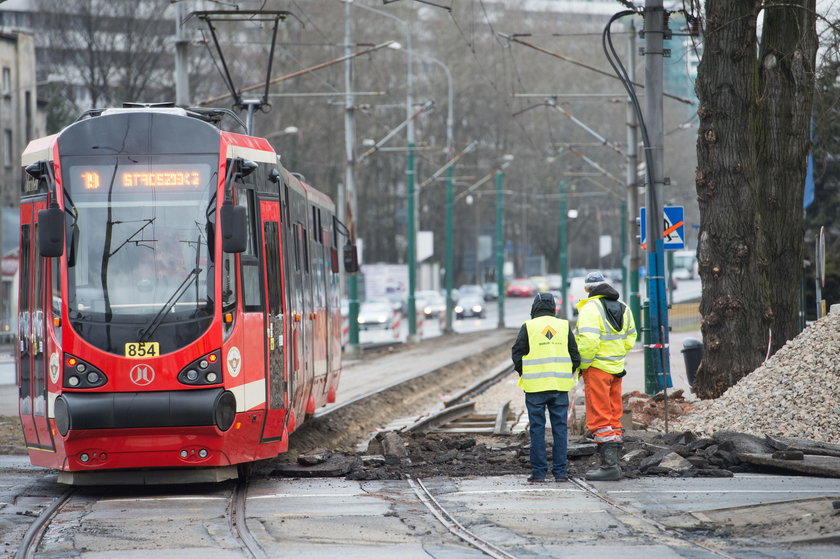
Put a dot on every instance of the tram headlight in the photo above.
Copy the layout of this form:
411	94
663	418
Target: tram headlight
81	374
205	370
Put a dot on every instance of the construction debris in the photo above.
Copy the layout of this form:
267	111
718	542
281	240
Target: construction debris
795	393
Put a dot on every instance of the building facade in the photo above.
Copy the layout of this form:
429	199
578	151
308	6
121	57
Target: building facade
20	121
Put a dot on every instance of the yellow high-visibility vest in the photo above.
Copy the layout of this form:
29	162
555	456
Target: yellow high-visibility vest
548	365
600	345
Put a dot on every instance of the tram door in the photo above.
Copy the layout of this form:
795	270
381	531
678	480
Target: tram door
32	376
270	214
293	255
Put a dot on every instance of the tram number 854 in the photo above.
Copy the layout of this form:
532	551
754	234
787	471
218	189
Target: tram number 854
139	350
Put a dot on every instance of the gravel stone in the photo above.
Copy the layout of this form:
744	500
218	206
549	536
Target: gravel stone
793	394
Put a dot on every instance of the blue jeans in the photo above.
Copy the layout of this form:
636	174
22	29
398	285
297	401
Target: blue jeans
558	407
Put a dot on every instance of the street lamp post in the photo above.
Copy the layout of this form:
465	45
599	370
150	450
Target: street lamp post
450	150
500	255
500	243
409	170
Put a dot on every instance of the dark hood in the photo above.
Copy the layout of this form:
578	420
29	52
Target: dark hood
614	308
606	290
543	305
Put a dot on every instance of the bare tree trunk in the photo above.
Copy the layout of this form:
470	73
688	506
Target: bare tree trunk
751	150
734	304
786	77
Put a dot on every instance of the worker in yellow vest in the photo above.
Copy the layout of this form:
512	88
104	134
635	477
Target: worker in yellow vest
605	332
545	355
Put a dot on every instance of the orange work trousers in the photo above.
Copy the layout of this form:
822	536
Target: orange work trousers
603	405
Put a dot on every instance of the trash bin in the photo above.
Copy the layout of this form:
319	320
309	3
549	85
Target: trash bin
692	354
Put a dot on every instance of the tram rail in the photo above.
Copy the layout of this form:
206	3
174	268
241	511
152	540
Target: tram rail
448	520
35	532
656	530
238	523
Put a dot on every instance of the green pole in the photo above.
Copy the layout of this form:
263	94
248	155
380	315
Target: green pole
500	254
409	180
564	262
449	271
353	311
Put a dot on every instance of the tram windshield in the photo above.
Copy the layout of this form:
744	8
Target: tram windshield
140	231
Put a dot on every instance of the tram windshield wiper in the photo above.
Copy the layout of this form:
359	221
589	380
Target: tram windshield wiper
150	328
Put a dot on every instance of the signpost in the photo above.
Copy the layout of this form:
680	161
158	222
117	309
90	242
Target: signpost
673	228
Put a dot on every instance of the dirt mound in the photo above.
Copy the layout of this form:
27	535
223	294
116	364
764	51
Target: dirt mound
795	393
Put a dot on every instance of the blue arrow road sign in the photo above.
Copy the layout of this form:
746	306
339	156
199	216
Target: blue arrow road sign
673	228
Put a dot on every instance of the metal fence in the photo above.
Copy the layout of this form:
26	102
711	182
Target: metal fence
684	316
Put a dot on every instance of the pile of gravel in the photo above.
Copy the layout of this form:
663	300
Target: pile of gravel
795	393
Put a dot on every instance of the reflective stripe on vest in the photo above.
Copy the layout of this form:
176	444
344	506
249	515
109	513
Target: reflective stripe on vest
611	351
548	365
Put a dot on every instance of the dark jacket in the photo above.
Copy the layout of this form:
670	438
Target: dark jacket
543	306
614	307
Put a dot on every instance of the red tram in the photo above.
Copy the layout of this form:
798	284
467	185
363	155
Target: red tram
179	296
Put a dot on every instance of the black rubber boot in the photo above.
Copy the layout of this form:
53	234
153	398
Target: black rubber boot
609	470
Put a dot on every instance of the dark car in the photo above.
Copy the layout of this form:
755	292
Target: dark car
470	306
491	291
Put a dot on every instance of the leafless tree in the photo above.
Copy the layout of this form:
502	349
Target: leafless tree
755	108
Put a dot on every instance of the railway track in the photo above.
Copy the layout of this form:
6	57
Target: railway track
455	527
236	521
641	523
33	536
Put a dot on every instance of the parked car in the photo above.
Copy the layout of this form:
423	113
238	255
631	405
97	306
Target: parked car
471	289
541	282
521	287
470	306
555	282
575	293
558	302
432	303
491	291
376	313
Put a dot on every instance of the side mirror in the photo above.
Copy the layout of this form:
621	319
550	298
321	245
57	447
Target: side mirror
246	167
51	232
234	228
37	170
351	259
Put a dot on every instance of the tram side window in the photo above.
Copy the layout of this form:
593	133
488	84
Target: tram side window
318	258
249	260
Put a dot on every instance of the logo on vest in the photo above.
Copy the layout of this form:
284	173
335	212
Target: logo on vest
549	332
